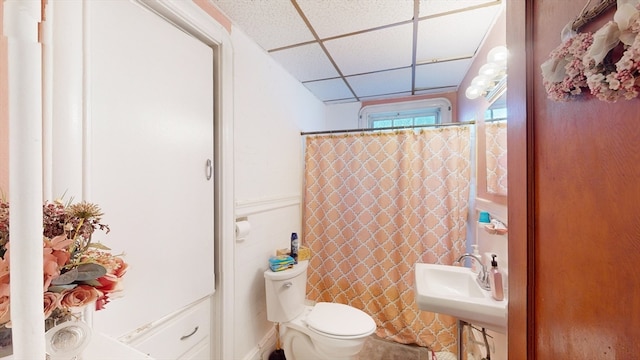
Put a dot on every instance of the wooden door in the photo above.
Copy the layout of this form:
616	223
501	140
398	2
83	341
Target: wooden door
150	135
580	293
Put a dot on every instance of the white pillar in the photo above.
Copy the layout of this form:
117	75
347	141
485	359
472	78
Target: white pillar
21	18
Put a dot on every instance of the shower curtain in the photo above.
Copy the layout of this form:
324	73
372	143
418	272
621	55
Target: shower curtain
377	203
496	156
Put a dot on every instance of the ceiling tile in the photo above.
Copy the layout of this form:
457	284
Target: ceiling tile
337	17
385	82
452	36
376	63
341	101
271	24
443	90
306	62
386	96
327	90
432	7
442	74
373	51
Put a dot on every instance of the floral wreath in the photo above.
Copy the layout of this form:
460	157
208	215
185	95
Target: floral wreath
588	60
563	74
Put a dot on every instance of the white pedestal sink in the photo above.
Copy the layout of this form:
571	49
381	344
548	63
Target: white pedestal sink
453	290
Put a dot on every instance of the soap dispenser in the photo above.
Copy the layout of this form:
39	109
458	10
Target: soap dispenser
495	279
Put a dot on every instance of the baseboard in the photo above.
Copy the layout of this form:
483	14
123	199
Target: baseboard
254	354
265	347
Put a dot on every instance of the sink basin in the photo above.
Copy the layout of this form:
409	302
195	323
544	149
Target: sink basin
453	290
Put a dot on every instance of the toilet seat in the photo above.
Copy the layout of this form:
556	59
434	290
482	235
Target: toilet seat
340	321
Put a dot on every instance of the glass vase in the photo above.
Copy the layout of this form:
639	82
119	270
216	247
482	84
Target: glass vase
66	337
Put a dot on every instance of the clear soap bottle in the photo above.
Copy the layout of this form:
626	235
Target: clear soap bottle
495	279
475	266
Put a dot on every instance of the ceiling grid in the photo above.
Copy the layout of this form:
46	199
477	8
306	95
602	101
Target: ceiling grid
345	51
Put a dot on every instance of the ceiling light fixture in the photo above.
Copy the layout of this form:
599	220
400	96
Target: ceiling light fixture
490	75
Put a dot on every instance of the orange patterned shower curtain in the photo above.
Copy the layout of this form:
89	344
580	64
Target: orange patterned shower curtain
377	203
496	139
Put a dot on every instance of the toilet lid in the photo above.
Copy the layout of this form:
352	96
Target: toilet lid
340	320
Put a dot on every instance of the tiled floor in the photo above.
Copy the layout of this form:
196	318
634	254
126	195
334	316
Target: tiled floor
378	349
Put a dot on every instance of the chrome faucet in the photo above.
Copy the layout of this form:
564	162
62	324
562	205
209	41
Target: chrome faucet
483	275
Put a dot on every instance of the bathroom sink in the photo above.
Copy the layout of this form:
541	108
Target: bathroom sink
453	290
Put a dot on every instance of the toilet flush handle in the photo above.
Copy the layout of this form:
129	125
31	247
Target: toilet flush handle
288	284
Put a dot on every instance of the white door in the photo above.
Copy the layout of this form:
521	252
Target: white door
150	135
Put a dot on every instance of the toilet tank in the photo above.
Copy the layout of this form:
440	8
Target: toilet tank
285	291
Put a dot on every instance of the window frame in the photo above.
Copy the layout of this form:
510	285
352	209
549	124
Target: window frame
443	106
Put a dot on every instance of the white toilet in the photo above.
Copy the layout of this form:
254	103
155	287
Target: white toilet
319	332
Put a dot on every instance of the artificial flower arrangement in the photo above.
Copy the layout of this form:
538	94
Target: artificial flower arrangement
606	62
563	73
77	272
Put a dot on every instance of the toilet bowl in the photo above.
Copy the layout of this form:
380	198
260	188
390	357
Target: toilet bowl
313	332
326	331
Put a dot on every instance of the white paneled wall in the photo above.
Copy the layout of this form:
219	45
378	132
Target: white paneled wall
270	110
343	116
271	230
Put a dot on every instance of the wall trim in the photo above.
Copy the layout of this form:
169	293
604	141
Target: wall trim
264	348
521	199
256	206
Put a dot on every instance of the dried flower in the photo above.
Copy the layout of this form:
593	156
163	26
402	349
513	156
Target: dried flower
76	271
563	74
607	62
611	81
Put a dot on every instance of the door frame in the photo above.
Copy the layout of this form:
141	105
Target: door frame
521	182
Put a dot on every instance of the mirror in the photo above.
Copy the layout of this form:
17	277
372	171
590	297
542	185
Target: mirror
495	131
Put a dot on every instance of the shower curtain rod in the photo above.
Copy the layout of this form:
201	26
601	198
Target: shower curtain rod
324	132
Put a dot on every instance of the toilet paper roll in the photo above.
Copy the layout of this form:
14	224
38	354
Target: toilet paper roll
243	228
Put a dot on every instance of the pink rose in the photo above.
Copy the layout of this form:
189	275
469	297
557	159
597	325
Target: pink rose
51	302
55	257
102	302
110	282
122	267
59	242
50	267
79	296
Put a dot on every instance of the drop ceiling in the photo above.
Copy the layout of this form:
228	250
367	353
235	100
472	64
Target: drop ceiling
356	50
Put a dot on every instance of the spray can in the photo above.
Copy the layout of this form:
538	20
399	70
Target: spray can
294	246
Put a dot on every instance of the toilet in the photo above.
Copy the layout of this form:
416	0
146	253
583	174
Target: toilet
313	332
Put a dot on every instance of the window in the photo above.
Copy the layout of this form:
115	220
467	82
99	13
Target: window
406	114
496	114
498	109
